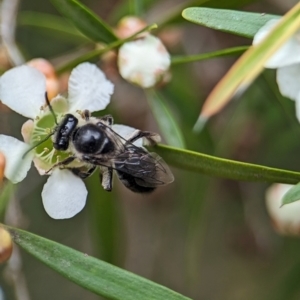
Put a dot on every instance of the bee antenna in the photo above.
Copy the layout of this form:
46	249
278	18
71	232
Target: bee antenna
51	108
37	144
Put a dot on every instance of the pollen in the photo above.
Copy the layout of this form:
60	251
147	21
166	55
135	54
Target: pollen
48	130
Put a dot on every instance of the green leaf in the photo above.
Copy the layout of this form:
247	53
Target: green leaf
182	59
93	274
220	167
50	22
292	195
85	20
165	120
236	22
167	16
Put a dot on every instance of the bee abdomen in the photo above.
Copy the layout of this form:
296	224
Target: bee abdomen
130	183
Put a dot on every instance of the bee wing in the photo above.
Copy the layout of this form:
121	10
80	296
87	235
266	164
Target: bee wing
148	169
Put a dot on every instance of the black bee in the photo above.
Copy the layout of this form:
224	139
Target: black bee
93	143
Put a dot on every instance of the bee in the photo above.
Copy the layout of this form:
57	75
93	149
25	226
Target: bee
93	144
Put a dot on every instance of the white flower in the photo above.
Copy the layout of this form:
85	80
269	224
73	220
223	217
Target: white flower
286	219
287	62
144	61
23	90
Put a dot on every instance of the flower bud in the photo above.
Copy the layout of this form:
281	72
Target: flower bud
2	166
144	61
44	66
6	245
130	25
285	219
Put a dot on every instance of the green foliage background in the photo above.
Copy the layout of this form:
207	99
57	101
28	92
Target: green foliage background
204	237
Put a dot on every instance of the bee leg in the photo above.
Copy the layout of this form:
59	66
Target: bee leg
64	162
106	175
86	114
151	138
108	119
82	174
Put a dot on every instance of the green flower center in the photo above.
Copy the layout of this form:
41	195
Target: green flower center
45	151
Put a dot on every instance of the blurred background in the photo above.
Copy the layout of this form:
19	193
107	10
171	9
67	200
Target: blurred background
207	238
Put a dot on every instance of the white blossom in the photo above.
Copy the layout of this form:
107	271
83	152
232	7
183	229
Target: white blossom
144	61
23	90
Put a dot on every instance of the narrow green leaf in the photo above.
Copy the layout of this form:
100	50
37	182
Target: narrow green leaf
292	195
236	22
165	120
182	59
228	3
85	20
93	274
171	15
220	167
50	22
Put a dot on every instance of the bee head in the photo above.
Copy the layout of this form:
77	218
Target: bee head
64	131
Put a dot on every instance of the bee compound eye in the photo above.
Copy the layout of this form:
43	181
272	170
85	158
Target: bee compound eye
64	131
88	139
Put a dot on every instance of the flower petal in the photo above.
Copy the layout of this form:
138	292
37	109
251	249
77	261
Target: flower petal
88	88
16	168
288	53
23	90
60	104
125	132
42	167
288	80
64	195
144	61
26	131
298	109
